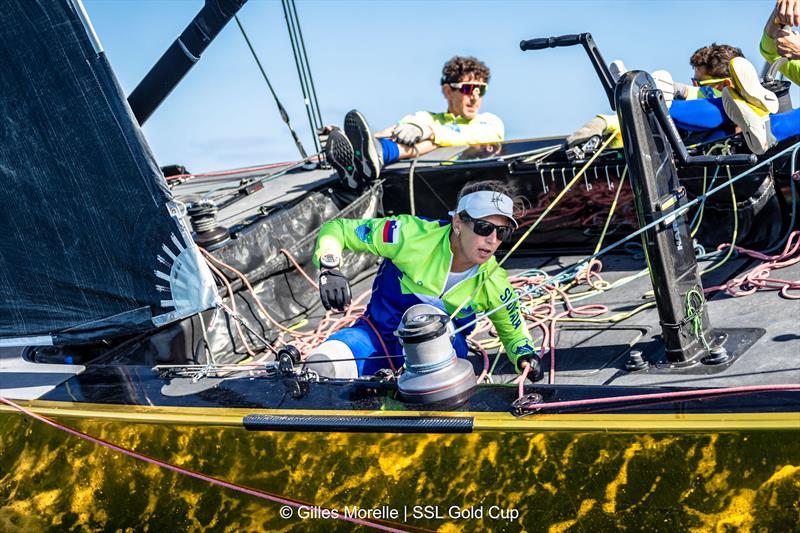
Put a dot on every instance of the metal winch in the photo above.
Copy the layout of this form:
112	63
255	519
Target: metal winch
432	372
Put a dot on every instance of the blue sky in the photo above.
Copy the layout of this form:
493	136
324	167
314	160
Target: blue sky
384	57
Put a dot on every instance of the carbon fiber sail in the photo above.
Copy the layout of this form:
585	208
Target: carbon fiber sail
91	243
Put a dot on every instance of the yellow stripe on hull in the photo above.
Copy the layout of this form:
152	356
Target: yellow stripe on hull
482	421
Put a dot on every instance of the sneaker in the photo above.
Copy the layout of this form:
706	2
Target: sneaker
339	152
664	82
368	159
753	121
748	84
617	69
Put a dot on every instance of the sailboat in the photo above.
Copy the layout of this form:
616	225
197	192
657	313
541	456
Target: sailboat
146	320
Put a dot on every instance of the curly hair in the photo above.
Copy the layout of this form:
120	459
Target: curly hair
494	186
716	59
458	68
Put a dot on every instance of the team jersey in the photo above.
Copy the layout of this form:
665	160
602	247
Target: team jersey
770	52
451	130
416	266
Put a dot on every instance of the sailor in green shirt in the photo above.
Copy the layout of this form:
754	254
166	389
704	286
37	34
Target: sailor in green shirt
358	156
779	40
436	262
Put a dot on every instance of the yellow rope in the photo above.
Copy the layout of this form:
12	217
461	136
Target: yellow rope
544	213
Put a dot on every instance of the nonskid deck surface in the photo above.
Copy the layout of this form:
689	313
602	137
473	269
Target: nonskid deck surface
587	353
276	189
590	355
595	353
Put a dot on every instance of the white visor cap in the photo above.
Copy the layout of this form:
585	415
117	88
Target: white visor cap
485	203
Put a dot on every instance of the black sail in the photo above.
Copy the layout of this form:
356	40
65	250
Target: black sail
91	242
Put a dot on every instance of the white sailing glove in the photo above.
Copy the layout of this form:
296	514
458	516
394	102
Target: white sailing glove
410	133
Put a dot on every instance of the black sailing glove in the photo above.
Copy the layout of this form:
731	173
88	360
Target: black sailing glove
536	373
334	289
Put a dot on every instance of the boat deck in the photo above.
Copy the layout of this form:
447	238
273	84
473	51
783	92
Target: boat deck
763	328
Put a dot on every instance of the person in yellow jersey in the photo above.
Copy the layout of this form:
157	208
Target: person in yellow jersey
358	155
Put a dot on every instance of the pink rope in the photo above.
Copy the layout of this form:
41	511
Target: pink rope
758	277
665	396
229	172
521	380
197	475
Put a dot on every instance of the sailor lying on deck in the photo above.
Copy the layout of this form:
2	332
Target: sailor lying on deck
744	101
441	263
358	156
693	108
750	106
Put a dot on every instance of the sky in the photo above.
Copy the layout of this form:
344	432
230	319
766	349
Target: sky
384	57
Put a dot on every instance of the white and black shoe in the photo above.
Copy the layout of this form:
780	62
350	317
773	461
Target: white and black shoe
340	155
368	159
748	85
751	119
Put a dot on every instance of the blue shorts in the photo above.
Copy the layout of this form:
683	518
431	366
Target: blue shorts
368	352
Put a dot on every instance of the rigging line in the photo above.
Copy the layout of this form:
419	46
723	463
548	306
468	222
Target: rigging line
303	58
676	213
792	179
411	199
300	74
180	470
281	110
433	191
236	317
262	180
735	233
612	209
232	296
672	396
313	91
698	216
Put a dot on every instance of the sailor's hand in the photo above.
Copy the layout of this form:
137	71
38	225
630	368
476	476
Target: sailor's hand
788	12
535	373
334	289
410	134
594	127
787	42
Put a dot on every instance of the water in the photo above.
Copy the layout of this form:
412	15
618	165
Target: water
555	481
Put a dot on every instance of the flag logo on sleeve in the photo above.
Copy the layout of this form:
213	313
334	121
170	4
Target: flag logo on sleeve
391	231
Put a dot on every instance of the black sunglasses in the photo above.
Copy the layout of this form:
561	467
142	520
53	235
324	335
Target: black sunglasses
484	228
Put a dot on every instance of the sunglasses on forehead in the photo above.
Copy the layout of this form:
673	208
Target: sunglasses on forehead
484	228
467	87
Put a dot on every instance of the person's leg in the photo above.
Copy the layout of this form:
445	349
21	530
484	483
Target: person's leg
344	354
339	153
753	121
368	159
702	114
785	125
393	151
747	83
407	152
390	150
